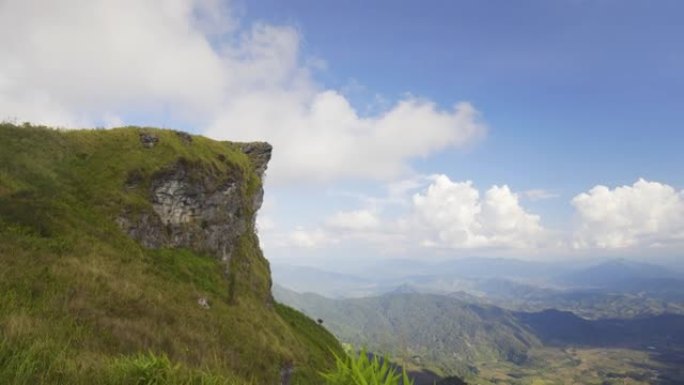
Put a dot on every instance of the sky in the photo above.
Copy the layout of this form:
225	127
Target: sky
533	129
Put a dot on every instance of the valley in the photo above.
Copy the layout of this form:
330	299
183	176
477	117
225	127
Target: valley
503	328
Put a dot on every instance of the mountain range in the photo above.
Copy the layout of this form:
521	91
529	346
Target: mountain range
452	336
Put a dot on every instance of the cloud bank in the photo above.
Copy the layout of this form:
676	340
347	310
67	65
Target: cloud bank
455	216
442	214
190	64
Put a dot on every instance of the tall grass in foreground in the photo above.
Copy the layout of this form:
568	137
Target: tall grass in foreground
151	369
36	364
365	370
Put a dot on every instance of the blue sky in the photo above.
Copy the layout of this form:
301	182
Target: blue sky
575	92
401	129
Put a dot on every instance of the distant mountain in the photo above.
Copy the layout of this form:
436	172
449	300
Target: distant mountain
433	277
666	289
451	335
446	333
498	267
627	299
562	328
612	273
468	275
315	280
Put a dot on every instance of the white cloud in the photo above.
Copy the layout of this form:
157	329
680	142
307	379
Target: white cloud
642	215
453	214
357	220
444	214
73	62
321	136
98	62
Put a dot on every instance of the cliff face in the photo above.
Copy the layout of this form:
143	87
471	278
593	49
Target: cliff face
138	240
197	207
208	209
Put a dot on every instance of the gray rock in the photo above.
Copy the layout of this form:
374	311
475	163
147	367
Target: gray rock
203	303
184	137
148	140
259	153
196	208
286	372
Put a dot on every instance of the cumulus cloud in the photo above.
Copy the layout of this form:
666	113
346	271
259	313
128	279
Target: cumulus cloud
444	214
644	214
188	62
454	214
76	61
321	136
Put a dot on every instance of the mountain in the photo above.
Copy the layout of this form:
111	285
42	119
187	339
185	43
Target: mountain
331	284
446	334
485	344
130	255
498	268
630	299
430	277
556	327
486	281
614	272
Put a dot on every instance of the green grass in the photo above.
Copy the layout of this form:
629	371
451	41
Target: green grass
39	363
361	369
82	303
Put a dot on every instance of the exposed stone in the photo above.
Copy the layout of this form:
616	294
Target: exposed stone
203	303
259	153
194	205
195	209
148	140
286	372
184	137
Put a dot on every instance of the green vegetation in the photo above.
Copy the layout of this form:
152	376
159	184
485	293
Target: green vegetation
82	303
364	369
551	366
485	345
422	331
47	365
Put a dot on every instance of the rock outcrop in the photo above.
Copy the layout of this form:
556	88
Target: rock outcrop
197	207
259	153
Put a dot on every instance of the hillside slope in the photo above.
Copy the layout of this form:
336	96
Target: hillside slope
123	247
436	332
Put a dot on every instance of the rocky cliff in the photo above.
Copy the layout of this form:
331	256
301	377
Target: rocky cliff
124	241
196	207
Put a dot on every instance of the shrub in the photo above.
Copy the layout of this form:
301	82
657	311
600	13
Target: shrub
365	369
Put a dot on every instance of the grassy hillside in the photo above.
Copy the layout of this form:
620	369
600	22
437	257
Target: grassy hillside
82	303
